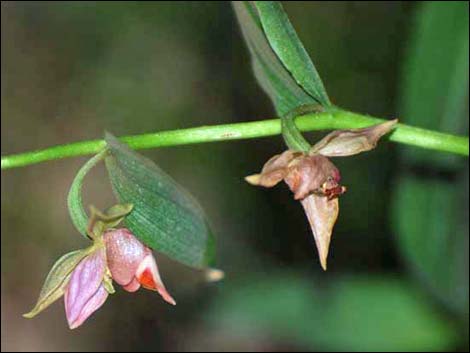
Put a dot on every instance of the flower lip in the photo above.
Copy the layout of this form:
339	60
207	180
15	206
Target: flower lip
331	188
312	174
132	264
148	276
124	253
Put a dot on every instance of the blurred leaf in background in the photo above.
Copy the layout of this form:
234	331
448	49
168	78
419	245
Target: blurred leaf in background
359	313
430	208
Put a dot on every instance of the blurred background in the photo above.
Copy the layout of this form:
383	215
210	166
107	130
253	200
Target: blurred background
398	266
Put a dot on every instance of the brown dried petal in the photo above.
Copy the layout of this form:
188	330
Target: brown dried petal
343	143
322	214
274	170
308	174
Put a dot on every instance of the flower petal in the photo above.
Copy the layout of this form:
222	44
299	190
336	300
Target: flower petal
84	283
148	276
57	280
95	302
124	253
309	173
133	286
343	143
274	170
322	214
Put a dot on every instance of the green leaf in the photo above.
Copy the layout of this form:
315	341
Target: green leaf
57	280
289	49
165	216
431	221
434	90
270	72
74	199
351	314
430	208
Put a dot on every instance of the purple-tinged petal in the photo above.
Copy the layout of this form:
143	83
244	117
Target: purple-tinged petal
149	277
124	253
84	283
95	302
322	214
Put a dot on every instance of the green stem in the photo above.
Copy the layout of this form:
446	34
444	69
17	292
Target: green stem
338	119
74	199
290	132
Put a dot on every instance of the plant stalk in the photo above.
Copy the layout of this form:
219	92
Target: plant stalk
333	120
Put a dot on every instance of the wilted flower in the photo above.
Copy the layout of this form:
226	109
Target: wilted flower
315	181
85	276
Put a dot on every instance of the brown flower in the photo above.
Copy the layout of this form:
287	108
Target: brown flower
315	180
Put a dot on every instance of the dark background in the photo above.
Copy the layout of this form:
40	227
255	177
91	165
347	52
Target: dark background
398	264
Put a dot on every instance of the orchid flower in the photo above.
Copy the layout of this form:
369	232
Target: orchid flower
315	180
85	276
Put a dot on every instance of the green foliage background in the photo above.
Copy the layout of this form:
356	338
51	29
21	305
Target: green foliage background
398	267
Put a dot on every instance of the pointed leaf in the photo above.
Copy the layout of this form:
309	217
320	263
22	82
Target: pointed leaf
57	280
165	216
288	47
274	78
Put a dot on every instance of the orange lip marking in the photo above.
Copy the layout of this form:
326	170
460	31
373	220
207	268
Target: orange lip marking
146	280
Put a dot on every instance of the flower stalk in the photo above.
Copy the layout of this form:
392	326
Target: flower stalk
331	120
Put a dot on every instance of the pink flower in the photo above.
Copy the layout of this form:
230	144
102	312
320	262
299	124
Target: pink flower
124	259
85	276
132	264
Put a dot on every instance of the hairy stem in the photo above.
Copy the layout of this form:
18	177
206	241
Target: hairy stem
337	119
